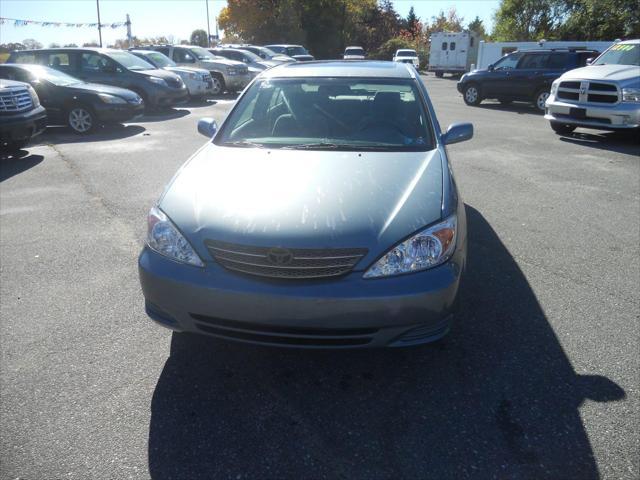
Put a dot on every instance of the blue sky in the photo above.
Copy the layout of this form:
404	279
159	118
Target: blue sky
166	17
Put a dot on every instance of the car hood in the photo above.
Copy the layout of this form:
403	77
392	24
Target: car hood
267	63
301	199
187	70
160	73
603	72
303	58
220	61
99	88
282	58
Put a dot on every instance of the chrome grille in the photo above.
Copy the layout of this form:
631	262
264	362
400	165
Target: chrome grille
588	92
15	100
276	262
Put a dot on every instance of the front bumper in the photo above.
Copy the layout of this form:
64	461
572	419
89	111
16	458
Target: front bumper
348	312
606	117
237	82
198	87
118	113
24	125
167	96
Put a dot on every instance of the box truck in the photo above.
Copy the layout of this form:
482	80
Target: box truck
453	52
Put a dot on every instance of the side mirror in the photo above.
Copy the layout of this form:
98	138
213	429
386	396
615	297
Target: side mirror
490	67
457	132
590	60
207	127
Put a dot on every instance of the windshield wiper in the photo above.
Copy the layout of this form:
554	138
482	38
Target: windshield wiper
314	146
243	143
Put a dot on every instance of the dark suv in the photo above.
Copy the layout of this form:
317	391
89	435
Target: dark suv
158	88
524	75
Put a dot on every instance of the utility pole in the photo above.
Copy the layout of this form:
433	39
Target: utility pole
208	26
129	37
99	26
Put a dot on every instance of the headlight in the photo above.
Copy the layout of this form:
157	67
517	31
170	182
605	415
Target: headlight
631	95
164	238
554	87
157	81
232	71
34	96
426	249
106	98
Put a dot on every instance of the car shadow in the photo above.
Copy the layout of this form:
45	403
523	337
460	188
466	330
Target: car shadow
620	142
64	135
497	399
14	163
162	115
521	108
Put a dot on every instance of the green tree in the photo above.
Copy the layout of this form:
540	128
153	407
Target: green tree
199	37
528	20
477	26
600	20
412	23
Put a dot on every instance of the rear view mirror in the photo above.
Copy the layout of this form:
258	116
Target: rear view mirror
490	67
457	132
590	60
207	127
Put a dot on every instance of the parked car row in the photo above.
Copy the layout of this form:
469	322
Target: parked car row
572	87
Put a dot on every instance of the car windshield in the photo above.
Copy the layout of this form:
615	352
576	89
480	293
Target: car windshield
620	54
130	61
202	54
53	76
268	52
406	53
250	55
160	60
330	113
296	51
354	51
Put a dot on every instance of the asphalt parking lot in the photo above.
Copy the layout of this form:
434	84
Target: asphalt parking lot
538	379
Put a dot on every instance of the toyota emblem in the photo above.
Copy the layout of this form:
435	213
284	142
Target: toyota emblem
280	256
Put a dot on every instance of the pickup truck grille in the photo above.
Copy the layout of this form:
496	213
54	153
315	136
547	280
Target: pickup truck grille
15	100
588	92
276	262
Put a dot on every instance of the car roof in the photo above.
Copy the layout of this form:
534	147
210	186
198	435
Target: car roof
72	49
406	50
282	45
352	46
630	42
340	68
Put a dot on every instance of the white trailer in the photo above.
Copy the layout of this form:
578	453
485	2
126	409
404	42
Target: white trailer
491	52
452	52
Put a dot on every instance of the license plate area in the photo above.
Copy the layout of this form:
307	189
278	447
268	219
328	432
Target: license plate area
578	112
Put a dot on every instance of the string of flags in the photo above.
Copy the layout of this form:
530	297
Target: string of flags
23	23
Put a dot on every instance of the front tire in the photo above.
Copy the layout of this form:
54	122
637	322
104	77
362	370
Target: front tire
218	84
13	146
439	74
540	98
81	119
562	128
471	95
